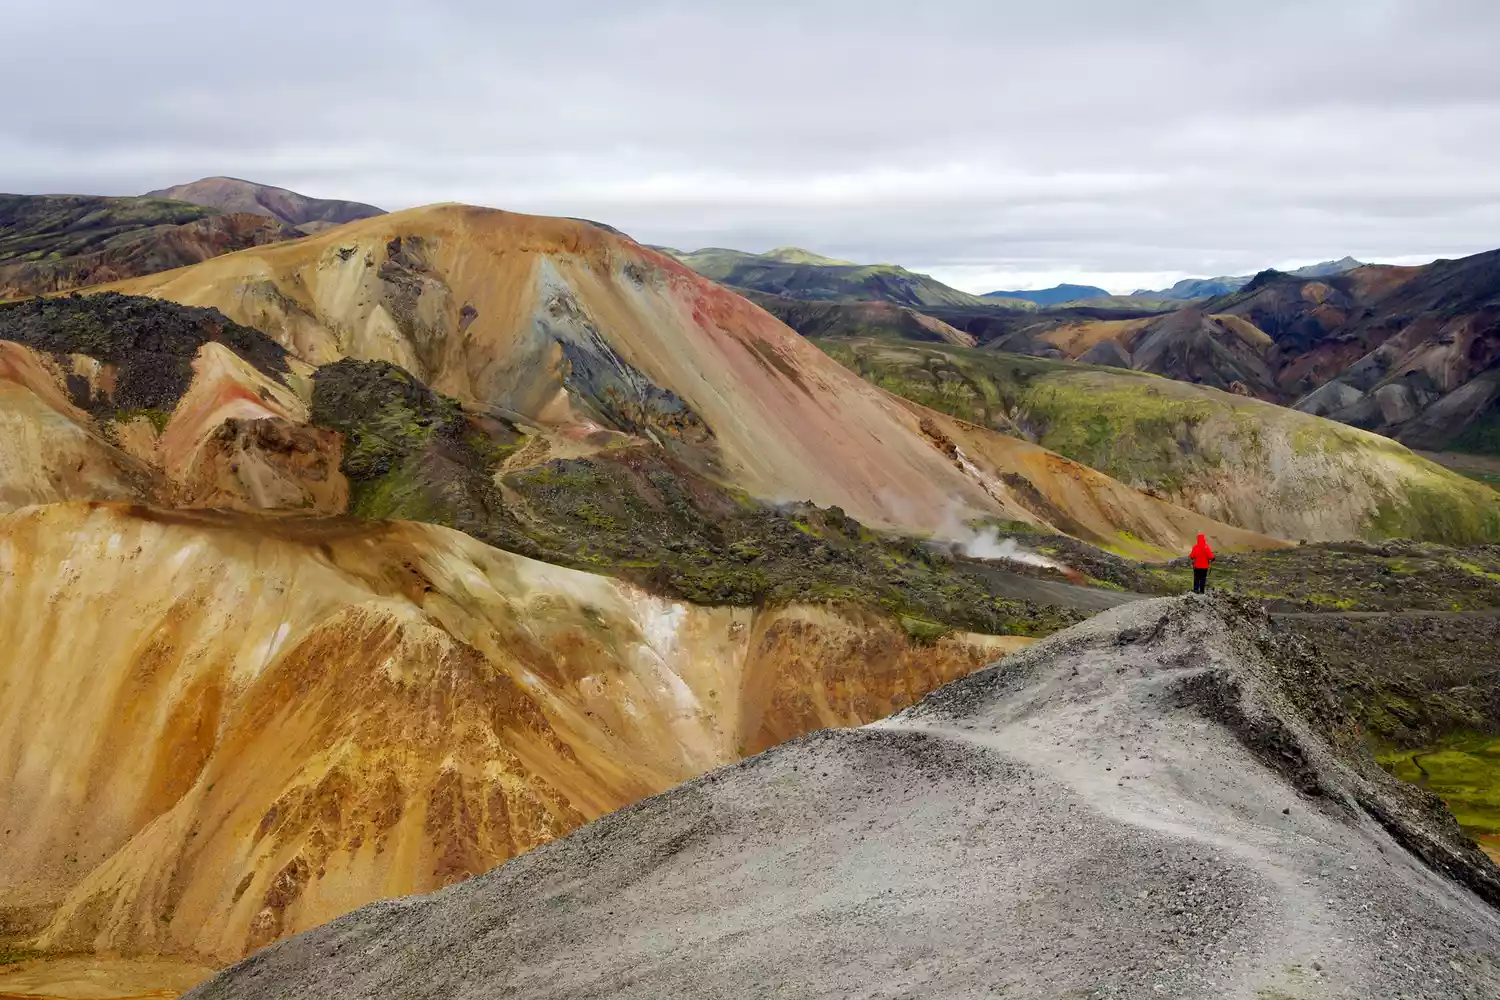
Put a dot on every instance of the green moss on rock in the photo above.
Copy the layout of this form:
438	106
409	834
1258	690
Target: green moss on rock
1439	515
637	513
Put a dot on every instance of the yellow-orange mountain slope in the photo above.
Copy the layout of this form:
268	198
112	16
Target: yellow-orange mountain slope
237	439
219	729
584	333
49	450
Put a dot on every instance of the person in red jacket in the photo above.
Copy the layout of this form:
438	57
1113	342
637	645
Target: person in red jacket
1203	556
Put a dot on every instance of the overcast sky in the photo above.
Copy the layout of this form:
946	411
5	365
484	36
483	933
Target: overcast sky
992	144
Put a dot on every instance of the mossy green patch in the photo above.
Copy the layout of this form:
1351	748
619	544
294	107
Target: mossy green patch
157	418
10	955
982	387
1475	568
1464	772
1490	479
638	514
1135	431
1437	514
1482	436
922	631
386	415
398	494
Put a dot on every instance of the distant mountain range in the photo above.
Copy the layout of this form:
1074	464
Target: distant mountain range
801	274
1187	288
1409	352
1202	288
1365	345
1056	295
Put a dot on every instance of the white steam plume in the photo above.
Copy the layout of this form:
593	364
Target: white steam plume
988	544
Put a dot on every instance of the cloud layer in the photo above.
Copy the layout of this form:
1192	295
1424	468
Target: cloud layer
992	144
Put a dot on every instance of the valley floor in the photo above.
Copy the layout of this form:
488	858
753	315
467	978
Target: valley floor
1465	773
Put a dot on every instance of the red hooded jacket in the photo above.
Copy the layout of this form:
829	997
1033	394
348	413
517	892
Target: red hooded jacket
1202	554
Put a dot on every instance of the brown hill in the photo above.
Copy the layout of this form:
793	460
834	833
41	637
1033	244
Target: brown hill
56	243
145	252
47	227
230	194
1409	352
1189	344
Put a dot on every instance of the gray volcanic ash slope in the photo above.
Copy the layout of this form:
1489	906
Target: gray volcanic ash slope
1162	801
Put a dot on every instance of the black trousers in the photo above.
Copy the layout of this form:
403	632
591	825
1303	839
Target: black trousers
1200	580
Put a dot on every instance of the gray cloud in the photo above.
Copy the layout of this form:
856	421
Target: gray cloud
986	142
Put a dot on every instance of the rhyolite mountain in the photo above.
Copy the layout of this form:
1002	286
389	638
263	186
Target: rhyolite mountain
598	340
56	243
1412	353
1409	352
596	588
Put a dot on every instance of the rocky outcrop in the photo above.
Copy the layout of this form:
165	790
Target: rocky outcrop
118	398
267	463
